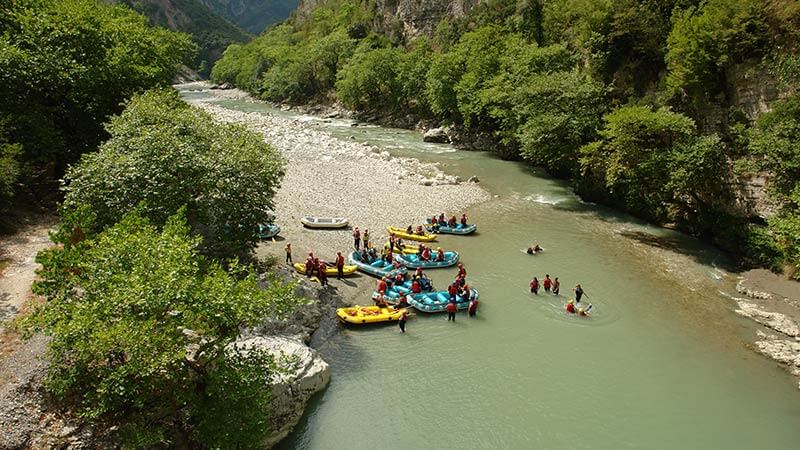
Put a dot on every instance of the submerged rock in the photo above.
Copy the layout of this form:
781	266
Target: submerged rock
473	179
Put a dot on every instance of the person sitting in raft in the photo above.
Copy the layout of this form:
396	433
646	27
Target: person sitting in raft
399	245
441	219
425	283
463	220
415	287
410	230
420	231
373	254
452	222
585	312
435	224
571	306
426	254
399	279
419	272
389	258
439	254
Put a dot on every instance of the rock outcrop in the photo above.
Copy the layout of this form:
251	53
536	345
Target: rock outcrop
438	135
305	375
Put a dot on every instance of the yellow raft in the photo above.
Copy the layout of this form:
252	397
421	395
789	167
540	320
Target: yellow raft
330	271
369	314
401	233
408	249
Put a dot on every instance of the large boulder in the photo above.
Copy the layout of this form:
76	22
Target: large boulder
438	135
305	375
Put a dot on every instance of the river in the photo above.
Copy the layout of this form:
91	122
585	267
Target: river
662	363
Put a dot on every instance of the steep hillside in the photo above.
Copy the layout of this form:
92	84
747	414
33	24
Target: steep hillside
212	32
253	15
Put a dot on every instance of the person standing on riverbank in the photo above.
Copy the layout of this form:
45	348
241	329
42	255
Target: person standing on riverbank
339	265
357	239
451	311
556	286
288	250
535	286
365	239
578	292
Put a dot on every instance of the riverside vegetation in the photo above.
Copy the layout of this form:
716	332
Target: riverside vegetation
631	100
144	293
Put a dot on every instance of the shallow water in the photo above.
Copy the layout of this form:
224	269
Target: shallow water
662	362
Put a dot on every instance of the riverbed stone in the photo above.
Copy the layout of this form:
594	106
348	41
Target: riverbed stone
436	135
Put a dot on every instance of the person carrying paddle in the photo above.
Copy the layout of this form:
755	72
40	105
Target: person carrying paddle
535	286
547	282
357	239
339	265
578	292
288	250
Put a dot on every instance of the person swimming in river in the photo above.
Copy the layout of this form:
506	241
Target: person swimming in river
534	249
585	311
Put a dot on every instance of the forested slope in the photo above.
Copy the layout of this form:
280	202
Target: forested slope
664	108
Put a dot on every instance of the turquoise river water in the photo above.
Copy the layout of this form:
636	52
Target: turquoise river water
663	363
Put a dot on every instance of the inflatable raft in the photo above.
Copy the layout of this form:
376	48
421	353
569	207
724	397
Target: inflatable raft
414	261
369	314
396	292
437	301
458	229
330	271
324	222
401	233
378	268
267	231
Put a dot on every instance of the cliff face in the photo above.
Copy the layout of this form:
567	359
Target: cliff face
416	17
252	15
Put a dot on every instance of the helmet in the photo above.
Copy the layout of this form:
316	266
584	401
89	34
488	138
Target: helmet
438	248
571	301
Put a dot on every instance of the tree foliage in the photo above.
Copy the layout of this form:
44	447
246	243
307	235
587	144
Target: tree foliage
142	327
163	155
65	66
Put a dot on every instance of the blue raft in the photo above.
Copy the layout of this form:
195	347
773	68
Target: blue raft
437	301
267	231
396	292
378	268
458	229
413	261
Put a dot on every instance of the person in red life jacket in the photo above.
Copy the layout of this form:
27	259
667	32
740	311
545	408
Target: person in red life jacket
410	230
439	254
382	285
452	290
556	286
356	238
426	254
441	219
460	280
571	306
547	283
435	224
402	302
398	279
535	286
463	220
322	273
339	265
473	307
451	311
462	271
380	300
310	264
452	222
402	321
415	287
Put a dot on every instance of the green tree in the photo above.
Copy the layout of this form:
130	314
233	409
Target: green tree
371	80
141	331
163	155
